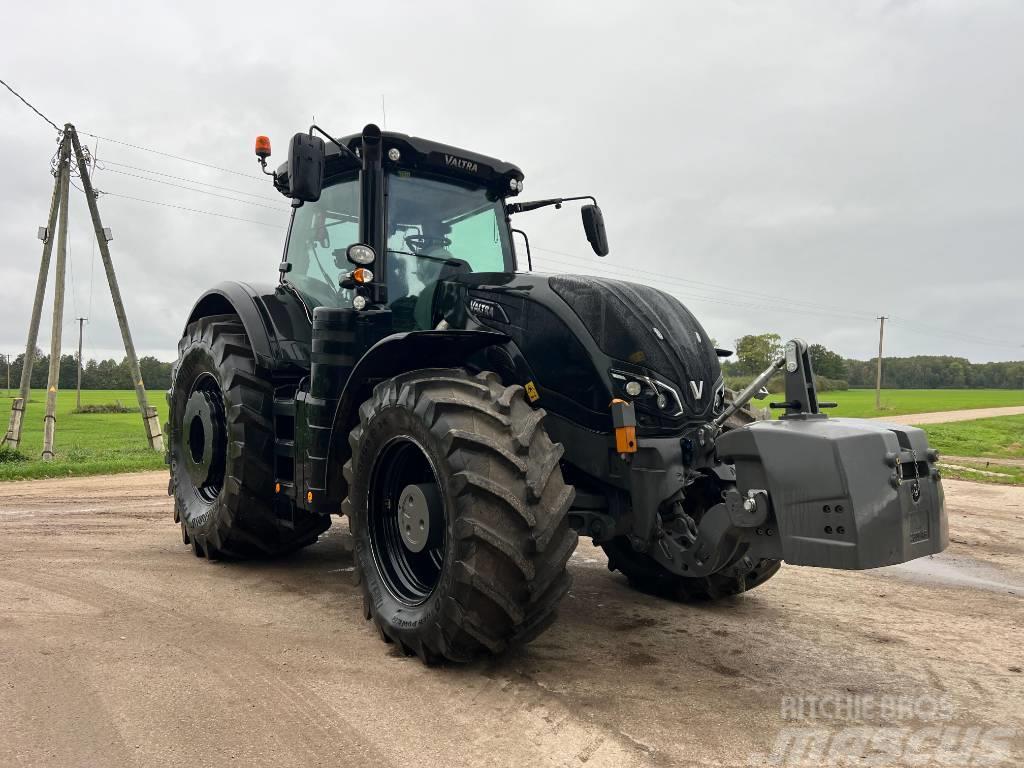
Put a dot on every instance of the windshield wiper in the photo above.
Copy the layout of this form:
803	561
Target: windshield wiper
450	262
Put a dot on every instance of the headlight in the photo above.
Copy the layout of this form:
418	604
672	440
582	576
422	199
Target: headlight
360	254
649	389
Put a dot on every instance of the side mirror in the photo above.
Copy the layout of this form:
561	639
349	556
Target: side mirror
305	167
593	225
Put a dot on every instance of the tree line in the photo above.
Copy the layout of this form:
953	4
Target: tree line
97	374
755	352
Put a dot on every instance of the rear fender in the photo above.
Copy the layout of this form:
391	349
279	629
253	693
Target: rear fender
275	320
239	299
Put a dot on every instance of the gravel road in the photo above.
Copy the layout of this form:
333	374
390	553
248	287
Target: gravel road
942	417
119	648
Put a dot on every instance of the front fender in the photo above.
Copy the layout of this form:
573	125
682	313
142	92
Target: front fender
392	355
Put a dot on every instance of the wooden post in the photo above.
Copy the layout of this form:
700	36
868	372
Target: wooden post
13	436
878	375
78	389
149	418
50	419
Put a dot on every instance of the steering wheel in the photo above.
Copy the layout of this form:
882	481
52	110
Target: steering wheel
420	243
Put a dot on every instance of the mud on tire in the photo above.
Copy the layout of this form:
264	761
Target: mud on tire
220	446
501	556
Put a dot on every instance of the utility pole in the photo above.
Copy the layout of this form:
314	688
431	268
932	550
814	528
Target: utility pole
50	419
8	374
878	376
13	436
59	206
78	391
149	417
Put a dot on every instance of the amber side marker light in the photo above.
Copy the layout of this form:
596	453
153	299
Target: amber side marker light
277	487
262	146
624	422
362	275
309	496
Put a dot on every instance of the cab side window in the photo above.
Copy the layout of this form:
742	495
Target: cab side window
320	234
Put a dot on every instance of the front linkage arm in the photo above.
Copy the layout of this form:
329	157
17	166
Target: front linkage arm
801	393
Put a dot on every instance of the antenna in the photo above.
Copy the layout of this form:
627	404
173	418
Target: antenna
383	113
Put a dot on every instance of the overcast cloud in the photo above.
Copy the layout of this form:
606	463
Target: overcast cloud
863	158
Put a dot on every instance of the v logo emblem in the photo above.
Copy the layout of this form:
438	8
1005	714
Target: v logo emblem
697	387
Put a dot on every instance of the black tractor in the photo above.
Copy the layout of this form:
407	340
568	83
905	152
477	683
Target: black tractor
472	419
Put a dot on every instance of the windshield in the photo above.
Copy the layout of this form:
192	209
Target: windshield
437	229
319	236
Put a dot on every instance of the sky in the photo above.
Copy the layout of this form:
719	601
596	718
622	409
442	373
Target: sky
795	167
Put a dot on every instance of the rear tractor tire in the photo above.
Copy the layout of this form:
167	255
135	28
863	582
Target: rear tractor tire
459	514
220	448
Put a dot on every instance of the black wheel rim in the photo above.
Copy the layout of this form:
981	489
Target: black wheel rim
204	438
410	576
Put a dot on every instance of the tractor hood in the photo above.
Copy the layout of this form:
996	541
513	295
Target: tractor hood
649	328
584	338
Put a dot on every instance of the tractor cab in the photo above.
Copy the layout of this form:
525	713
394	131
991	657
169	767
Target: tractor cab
427	210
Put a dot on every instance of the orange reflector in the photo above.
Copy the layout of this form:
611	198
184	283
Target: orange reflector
277	487
262	146
309	496
362	275
625	439
624	422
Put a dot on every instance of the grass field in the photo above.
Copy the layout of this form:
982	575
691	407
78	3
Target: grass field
86	443
979	472
99	443
996	438
860	403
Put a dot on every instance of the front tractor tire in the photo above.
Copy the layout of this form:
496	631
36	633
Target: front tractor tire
220	448
646	574
459	514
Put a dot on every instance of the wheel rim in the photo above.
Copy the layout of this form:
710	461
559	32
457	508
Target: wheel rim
204	438
407	521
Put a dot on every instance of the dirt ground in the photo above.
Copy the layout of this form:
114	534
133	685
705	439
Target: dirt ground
118	647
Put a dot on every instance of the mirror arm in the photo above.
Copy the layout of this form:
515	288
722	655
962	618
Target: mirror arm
529	256
345	150
535	204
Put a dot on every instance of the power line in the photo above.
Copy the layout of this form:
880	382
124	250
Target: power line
828	309
185	178
791	307
193	210
174	157
725	301
910	326
201	191
27	104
